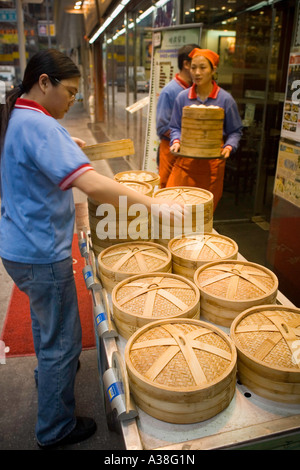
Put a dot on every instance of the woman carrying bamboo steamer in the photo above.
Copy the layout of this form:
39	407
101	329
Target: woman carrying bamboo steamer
205	173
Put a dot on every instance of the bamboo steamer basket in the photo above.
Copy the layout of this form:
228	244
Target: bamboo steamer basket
140	186
191	251
124	260
267	339
229	287
197	199
145	298
139	176
120	222
181	370
202	131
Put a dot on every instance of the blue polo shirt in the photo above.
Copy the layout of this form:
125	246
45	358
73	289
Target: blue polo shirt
232	129
39	163
165	105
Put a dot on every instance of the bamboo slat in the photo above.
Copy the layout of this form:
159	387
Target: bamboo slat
112	149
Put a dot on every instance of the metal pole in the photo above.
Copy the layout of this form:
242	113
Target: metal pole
21	36
48	25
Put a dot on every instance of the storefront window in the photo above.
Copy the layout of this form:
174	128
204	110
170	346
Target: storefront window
257	73
127	48
252	68
248	37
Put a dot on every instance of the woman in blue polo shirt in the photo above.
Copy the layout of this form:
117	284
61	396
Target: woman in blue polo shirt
40	163
207	173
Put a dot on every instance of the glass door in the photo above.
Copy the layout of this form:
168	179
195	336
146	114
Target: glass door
253	70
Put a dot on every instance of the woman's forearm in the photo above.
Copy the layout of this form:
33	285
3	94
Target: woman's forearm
106	190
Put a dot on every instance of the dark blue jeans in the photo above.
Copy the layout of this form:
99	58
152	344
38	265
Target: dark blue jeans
57	341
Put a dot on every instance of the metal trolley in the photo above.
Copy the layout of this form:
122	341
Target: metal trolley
249	422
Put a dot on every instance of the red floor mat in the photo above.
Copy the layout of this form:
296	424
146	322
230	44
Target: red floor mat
17	334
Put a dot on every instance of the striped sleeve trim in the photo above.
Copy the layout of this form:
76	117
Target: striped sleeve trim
66	183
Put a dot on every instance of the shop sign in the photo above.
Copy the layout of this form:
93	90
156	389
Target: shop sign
287	178
291	110
45	29
8	15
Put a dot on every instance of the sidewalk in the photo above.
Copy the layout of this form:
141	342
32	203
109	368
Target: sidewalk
18	394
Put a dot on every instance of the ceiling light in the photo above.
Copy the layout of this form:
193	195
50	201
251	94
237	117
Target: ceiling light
118	10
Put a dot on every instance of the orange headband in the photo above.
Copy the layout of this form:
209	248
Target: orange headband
207	53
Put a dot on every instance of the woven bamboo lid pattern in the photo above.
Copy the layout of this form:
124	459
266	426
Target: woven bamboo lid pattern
134	258
140	186
156	295
180	355
185	195
203	247
269	335
235	280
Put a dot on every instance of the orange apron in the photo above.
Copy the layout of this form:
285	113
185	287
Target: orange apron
206	174
166	162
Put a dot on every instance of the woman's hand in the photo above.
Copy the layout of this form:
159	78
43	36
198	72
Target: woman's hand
175	147
167	213
226	151
81	143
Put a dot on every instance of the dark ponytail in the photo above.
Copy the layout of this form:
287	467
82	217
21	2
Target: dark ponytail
51	62
6	109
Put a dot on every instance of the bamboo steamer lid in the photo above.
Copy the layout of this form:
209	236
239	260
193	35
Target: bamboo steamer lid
145	298
140	186
140	176
121	261
191	251
267	339
229	287
119	220
181	370
195	198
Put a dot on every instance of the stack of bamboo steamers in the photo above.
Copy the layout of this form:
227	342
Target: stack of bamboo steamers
173	299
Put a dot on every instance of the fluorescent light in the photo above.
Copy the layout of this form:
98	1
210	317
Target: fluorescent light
119	33
118	10
100	30
161	3
147	12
